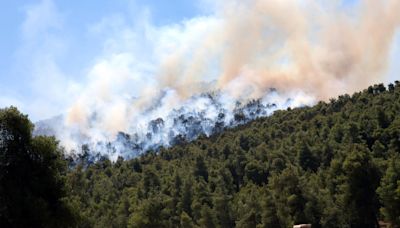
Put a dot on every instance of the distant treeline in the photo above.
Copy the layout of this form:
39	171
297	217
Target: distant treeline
335	164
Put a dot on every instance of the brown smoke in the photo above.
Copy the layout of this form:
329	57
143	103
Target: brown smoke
318	48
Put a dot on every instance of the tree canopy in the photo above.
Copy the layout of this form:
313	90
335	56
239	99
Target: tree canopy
335	164
32	176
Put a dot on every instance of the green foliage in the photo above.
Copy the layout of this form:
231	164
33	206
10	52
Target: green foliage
32	175
389	191
186	221
334	164
361	178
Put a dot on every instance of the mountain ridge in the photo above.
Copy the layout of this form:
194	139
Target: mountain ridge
331	165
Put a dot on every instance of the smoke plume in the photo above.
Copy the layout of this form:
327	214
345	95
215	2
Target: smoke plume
305	50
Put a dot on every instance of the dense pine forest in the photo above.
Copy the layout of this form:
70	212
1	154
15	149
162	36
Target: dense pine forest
336	164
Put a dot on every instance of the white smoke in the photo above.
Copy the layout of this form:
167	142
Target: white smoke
306	50
168	122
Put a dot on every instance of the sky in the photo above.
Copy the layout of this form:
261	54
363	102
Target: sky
54	42
50	48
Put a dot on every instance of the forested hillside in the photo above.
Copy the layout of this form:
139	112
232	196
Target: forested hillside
335	164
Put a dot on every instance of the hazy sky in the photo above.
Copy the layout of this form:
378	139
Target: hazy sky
47	47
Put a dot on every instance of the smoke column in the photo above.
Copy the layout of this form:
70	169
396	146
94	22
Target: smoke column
306	50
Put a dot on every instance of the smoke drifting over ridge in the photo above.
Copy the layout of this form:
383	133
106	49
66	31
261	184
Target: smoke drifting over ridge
306	50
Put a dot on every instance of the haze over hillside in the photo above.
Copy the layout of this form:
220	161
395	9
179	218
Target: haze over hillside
203	113
319	51
275	171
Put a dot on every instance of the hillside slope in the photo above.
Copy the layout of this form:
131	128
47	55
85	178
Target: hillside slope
336	164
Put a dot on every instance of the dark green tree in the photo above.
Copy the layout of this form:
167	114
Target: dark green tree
306	159
361	181
186	221
200	169
148	214
207	217
31	176
389	191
